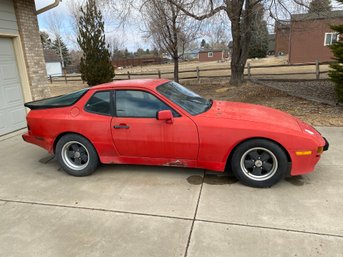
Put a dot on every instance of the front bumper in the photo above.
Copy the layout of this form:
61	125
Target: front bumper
306	164
326	146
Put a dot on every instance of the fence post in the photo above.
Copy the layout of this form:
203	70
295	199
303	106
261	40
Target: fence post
128	75
198	74
159	74
65	77
249	71
50	78
317	70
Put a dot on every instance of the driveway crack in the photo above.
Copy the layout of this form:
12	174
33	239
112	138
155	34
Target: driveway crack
195	214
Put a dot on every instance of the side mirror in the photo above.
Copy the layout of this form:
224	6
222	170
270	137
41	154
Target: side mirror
166	115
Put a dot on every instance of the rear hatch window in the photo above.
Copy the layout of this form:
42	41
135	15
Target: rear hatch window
57	101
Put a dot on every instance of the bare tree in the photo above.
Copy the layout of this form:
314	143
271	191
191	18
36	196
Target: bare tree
55	25
240	13
114	43
169	28
217	31
73	9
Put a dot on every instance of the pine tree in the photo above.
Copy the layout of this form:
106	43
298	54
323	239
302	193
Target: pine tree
95	66
204	44
258	47
336	72
317	6
45	39
59	47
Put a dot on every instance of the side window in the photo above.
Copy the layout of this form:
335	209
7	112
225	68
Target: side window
131	103
99	103
330	38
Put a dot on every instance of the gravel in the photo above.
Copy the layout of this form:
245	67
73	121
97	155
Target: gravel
316	90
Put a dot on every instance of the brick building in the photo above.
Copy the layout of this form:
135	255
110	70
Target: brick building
282	36
311	35
208	55
22	67
307	36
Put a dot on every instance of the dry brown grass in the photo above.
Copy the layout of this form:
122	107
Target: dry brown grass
256	72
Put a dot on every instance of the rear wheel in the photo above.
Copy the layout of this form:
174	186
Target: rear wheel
259	163
76	155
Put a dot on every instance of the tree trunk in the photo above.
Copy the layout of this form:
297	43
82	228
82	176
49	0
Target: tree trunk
240	27
176	69
237	74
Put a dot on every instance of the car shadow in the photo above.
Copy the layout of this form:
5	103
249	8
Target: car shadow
196	176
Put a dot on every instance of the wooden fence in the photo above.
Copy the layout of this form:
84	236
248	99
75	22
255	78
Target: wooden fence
262	72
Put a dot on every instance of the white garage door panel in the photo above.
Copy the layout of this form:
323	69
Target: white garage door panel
12	110
2	99
2	120
12	94
9	69
5	47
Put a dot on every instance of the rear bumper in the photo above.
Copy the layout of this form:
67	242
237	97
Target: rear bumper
42	142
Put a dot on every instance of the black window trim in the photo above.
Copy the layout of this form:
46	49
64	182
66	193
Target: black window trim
111	114
141	90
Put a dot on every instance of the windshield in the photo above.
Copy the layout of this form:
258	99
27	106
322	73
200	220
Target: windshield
185	98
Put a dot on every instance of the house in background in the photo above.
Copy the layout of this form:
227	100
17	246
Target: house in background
23	75
282	37
271	44
52	63
307	36
208	55
310	36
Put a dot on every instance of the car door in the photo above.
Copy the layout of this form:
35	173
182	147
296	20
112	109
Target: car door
137	133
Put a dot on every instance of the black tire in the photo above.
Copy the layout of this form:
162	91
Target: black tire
76	155
259	163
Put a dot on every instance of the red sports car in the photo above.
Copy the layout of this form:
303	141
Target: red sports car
159	122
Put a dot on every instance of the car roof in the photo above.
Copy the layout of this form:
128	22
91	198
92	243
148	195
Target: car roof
145	83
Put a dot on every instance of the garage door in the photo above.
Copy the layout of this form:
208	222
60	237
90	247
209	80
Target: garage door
12	111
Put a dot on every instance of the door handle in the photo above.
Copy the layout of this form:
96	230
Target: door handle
121	126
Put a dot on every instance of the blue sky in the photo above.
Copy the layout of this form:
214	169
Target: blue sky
131	37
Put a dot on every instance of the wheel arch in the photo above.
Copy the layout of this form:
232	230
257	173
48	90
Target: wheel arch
228	160
67	133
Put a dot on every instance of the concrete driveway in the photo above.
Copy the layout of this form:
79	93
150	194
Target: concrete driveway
152	211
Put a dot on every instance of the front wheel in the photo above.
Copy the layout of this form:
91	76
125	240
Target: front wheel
76	155
259	163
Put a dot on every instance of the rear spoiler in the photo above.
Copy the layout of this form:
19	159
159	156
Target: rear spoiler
57	101
36	106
